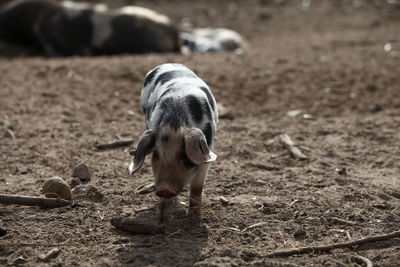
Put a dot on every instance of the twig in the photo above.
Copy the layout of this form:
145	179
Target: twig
213	213
255	225
174	233
348	235
342	221
114	144
146	188
287	142
11	133
361	259
333	246
50	255
34	201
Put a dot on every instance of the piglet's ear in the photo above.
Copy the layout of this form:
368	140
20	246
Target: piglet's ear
144	146
196	147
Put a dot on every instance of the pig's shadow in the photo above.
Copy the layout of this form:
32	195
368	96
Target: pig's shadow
180	245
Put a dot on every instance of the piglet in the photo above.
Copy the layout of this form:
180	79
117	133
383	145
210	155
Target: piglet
181	120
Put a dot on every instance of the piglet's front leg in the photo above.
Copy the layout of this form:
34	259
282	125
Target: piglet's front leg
164	210
196	190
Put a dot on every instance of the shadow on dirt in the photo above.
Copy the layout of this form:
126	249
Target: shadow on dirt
181	244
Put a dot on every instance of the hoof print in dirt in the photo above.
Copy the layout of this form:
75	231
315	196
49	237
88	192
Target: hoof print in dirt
300	234
87	191
81	171
137	227
56	187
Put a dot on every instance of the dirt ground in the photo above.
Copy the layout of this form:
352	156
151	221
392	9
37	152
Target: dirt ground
335	65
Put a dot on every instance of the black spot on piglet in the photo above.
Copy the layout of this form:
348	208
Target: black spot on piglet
209	97
150	76
196	108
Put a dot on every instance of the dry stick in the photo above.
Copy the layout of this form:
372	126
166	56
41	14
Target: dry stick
361	259
342	221
34	201
287	142
146	188
50	255
333	246
114	144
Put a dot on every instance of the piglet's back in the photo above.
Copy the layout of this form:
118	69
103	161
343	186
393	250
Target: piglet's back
173	95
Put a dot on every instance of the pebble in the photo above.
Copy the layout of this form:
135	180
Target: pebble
74	182
57	185
87	191
224	200
81	171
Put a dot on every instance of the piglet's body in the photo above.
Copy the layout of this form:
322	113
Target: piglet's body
181	118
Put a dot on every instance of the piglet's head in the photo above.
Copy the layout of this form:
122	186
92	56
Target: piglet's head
172	147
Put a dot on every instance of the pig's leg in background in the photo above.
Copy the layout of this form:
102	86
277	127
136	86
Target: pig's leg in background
164	210
196	190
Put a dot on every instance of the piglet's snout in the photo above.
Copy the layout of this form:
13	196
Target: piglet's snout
166	190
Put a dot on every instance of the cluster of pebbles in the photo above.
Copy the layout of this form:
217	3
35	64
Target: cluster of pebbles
79	187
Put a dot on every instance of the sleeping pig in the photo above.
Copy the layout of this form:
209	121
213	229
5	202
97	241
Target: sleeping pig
181	119
70	28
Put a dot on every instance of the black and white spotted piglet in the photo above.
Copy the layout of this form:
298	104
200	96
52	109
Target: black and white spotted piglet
181	118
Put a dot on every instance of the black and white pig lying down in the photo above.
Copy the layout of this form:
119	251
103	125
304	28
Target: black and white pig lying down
71	28
205	40
181	119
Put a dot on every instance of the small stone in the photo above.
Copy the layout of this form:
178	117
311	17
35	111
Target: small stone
81	171
375	108
308	117
342	171
57	185
74	182
294	113
224	201
87	191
